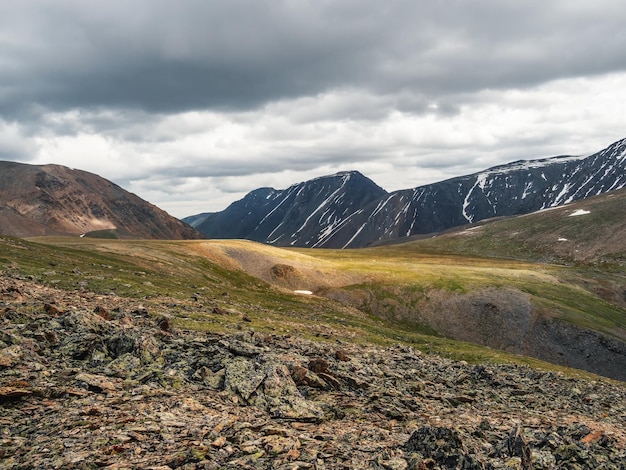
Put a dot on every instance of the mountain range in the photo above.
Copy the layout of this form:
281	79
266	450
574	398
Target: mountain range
348	210
56	200
344	210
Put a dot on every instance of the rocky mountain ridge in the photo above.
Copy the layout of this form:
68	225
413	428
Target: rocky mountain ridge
305	214
55	200
330	213
97	381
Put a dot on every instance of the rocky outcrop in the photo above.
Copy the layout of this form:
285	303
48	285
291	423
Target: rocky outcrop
90	381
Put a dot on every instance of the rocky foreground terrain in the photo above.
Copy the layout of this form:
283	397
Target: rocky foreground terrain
92	381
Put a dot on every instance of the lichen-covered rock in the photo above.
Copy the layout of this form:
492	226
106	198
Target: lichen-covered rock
97	383
242	377
282	398
117	390
442	446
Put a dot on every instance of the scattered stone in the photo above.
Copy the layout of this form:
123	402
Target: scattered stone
52	310
518	447
12	393
219	442
80	390
96	383
342	355
242	378
319	365
103	312
240	348
165	323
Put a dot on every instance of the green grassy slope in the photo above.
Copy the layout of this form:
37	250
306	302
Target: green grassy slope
179	279
592	231
408	277
581	247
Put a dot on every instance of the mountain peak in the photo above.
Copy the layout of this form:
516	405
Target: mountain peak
305	214
352	176
347	173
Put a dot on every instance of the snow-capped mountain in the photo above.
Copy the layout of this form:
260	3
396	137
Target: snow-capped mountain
306	214
347	210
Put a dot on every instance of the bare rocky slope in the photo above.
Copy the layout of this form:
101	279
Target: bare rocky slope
55	200
504	319
98	381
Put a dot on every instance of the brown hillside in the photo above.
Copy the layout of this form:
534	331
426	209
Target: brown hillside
55	200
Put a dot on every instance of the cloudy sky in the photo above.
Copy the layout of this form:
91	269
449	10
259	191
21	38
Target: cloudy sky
192	103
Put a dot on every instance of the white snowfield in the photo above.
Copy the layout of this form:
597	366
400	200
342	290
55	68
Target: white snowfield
303	292
579	212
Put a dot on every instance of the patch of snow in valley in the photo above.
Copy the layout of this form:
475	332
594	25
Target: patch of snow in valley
579	212
381	205
527	189
480	181
355	235
303	292
561	239
274	209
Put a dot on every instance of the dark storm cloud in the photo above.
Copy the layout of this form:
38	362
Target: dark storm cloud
162	56
165	56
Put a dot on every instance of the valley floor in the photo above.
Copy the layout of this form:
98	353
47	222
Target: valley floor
101	381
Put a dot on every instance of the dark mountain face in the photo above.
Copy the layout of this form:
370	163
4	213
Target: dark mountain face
307	214
514	189
348	210
56	200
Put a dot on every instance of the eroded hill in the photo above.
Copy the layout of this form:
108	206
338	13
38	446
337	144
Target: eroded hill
55	200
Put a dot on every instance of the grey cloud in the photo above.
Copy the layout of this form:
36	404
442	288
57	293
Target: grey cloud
282	159
163	56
